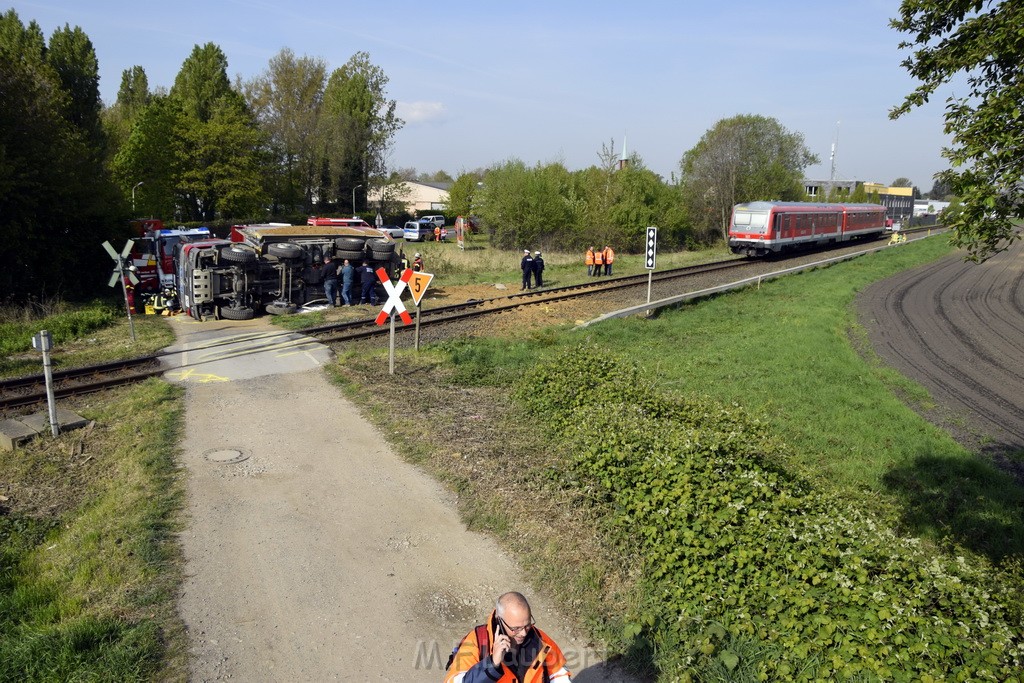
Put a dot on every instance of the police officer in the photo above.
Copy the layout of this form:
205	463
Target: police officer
369	280
527	267
538	269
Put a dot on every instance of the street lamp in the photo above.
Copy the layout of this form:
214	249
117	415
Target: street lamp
133	196
354	199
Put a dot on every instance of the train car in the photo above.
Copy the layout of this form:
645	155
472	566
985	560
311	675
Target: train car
763	228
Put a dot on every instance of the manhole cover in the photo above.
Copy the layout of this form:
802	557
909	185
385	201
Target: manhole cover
225	456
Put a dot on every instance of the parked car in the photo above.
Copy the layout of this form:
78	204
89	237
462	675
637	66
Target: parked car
415	231
436	220
396	231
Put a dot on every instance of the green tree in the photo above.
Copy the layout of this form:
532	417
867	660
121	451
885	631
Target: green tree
642	200
741	159
56	201
982	41
151	155
73	59
132	99
287	100
202	81
940	190
525	207
462	193
221	169
360	123
901	182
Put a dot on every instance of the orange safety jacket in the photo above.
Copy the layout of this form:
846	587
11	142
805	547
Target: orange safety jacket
599	258
549	665
609	255
589	258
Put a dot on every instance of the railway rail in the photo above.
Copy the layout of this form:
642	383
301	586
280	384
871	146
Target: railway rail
19	393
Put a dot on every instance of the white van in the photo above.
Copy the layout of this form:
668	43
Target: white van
436	220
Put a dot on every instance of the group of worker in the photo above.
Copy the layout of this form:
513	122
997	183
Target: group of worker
598	259
342	279
533	270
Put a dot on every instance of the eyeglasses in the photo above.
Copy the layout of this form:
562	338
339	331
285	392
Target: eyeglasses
518	629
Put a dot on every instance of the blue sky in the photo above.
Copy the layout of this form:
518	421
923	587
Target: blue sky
481	82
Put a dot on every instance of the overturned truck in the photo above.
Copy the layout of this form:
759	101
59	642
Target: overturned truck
274	268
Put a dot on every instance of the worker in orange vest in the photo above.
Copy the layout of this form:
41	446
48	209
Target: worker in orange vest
589	260
609	259
508	648
598	262
437	233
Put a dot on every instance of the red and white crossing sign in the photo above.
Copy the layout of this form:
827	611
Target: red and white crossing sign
394	302
418	285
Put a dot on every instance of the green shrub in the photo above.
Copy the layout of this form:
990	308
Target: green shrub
746	567
16	334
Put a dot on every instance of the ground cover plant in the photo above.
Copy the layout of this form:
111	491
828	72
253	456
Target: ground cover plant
89	568
738	555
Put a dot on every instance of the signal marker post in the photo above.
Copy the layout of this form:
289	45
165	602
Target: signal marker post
652	251
393	304
418	284
44	342
119	274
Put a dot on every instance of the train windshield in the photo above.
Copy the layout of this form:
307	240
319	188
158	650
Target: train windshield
747	221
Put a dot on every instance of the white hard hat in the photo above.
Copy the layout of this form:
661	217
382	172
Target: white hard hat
417	255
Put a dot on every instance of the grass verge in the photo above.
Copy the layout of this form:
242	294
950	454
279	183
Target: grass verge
89	568
784	353
82	335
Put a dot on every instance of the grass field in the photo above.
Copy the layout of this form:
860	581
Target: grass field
89	569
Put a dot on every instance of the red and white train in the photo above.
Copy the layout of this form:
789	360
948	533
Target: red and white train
762	228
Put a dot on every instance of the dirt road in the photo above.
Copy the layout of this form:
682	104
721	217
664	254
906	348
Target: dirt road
958	329
313	552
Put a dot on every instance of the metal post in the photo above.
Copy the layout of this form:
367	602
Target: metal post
416	336
44	342
391	357
650	276
354	198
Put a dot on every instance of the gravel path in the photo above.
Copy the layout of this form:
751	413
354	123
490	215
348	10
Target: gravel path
958	329
316	553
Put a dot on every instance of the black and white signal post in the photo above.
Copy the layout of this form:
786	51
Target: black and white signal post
652	251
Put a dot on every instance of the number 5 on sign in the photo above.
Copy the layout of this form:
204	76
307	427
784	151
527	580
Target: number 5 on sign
418	284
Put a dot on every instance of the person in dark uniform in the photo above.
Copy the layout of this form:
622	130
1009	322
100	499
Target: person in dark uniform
527	267
369	279
538	269
330	276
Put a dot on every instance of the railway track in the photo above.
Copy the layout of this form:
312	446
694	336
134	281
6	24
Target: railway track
22	392
28	391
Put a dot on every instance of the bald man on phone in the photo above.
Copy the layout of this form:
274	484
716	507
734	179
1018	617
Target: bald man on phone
508	648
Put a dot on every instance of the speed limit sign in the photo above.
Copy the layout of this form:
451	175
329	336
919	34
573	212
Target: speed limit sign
418	284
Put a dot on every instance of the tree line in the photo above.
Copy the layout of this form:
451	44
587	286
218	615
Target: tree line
300	138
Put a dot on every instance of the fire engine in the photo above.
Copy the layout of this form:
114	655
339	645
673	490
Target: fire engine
152	257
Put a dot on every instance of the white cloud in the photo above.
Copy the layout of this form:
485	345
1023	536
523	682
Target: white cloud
421	112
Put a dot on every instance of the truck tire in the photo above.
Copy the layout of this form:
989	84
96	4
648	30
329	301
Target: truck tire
381	256
229	313
238	254
350	255
284	250
282	308
350	243
378	245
